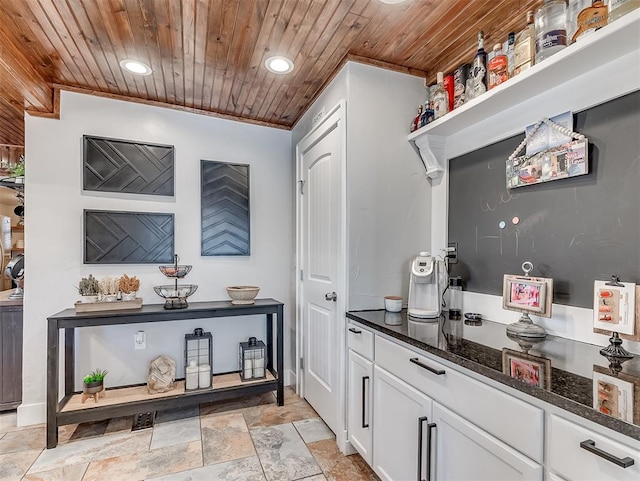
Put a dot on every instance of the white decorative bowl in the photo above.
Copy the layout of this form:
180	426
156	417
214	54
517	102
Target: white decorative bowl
242	294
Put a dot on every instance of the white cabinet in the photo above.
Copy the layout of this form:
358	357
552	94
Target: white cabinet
401	415
580	454
359	414
465	452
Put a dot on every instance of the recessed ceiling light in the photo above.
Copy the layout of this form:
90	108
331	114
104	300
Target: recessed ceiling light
134	66
279	65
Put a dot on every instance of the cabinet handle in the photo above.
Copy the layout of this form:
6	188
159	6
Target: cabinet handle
355	331
590	446
420	436
430	426
364	402
415	360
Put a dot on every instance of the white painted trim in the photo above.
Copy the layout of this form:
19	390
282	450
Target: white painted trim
29	414
290	378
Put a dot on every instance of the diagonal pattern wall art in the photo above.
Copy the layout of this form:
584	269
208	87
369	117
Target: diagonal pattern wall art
111	165
224	209
128	237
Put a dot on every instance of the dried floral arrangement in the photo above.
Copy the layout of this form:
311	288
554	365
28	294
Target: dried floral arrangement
108	286
128	285
88	286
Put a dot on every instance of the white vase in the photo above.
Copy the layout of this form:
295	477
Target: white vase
88	299
128	296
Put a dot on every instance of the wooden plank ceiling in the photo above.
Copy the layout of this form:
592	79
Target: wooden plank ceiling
208	55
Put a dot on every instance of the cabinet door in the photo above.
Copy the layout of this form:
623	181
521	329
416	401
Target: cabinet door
359	404
400	418
464	451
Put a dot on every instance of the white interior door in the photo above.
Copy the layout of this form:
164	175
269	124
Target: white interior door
321	259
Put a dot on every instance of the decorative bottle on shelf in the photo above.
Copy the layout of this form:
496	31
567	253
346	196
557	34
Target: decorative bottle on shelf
511	41
585	17
618	8
497	67
551	28
415	124
478	73
524	48
440	98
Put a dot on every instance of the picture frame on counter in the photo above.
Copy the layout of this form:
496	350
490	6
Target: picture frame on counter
629	337
614	307
618	396
530	369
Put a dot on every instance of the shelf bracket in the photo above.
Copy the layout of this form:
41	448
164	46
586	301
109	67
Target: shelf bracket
431	150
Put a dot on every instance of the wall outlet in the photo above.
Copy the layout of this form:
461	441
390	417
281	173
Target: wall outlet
140	339
452	252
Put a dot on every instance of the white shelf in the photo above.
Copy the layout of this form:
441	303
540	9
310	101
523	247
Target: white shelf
618	41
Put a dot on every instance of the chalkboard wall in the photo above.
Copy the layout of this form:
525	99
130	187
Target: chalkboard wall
575	230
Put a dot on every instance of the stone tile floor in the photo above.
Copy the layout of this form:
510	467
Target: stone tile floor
248	439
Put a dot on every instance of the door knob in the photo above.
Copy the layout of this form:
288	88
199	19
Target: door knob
331	296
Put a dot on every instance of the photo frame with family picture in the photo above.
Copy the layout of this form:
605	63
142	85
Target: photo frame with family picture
614	307
532	370
618	396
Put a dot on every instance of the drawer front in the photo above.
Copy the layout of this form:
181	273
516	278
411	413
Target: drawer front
360	340
511	420
573	462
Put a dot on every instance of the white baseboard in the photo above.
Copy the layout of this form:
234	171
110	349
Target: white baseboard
29	414
290	378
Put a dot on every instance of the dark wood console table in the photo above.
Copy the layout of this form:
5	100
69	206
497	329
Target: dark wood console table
124	401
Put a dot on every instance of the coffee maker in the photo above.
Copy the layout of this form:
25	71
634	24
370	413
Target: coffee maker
426	287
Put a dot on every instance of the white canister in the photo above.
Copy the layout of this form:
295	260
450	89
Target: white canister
393	303
191	377
204	376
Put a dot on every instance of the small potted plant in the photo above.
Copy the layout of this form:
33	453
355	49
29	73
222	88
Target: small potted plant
94	381
128	287
108	287
88	289
17	170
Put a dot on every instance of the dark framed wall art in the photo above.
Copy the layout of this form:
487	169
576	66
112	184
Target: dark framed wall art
224	205
112	237
124	166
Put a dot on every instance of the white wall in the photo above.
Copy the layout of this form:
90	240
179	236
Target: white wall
388	192
55	201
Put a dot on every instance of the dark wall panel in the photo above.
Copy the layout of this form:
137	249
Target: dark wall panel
225	209
128	237
111	165
575	230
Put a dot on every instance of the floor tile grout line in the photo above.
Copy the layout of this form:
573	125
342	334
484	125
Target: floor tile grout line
264	473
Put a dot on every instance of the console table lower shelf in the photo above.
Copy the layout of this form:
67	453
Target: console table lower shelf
124	401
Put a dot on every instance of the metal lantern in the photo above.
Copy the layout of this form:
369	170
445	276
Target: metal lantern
253	362
198	359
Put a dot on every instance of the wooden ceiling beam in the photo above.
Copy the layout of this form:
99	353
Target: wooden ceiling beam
17	70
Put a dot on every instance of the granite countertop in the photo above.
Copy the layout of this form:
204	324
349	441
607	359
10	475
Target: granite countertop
481	348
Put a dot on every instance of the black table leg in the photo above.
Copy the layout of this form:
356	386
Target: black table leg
69	360
280	354
52	384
